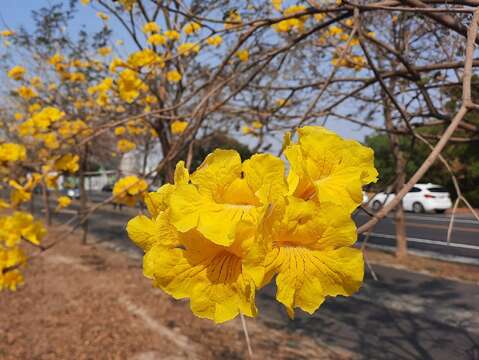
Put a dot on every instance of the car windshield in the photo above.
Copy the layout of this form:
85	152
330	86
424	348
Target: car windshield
437	189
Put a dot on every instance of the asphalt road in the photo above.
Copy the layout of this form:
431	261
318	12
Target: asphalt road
402	315
427	234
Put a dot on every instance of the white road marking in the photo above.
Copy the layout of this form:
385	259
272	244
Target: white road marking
427	241
436	218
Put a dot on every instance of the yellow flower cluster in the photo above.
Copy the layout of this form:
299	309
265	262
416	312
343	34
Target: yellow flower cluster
63	202
13	229
130	85
178	126
129	190
293	23
218	235
10	152
17	72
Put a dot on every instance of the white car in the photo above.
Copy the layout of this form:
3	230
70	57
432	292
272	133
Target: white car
421	198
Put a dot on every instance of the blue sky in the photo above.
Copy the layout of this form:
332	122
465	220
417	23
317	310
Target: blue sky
16	13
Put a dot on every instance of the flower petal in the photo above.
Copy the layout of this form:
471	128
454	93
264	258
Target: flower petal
217	172
146	232
306	277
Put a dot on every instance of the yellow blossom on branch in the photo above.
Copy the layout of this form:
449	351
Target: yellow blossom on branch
17	72
157	39
324	167
104	51
125	146
12	152
119	130
151	27
68	163
178	126
214	41
191	28
172	35
6	33
129	85
243	55
220	234
173	76
188	48
102	16
63	202
129	190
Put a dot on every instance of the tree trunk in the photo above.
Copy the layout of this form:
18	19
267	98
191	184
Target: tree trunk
400	172
401	241
46	203
83	194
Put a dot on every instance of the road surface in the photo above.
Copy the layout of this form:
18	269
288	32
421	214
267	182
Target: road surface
427	234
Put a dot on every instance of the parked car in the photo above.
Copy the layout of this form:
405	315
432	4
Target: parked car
107	188
421	198
365	198
74	193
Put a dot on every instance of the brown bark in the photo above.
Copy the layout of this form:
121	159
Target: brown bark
83	194
46	203
399	169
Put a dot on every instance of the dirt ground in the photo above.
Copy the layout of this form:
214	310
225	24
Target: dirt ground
443	269
89	302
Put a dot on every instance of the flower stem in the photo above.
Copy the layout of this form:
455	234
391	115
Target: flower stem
246	335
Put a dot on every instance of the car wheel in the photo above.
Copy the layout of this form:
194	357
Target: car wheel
417	208
440	211
376	205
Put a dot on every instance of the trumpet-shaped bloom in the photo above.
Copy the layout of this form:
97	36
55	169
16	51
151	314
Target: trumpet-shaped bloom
219	281
327	168
156	230
231	227
311	254
224	191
